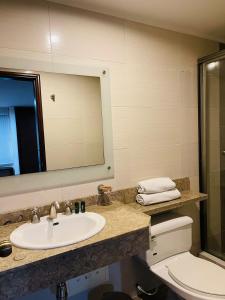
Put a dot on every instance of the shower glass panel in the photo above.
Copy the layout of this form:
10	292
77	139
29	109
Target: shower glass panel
212	152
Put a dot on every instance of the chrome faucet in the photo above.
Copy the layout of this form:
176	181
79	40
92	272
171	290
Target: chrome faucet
53	210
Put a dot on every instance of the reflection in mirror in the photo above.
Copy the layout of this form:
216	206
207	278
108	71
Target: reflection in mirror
69	132
21	135
72	120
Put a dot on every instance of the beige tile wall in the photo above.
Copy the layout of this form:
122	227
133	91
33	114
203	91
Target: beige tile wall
153	87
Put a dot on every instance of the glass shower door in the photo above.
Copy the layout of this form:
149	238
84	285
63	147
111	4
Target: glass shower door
212	154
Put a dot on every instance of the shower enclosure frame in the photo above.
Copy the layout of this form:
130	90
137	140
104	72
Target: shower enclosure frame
202	63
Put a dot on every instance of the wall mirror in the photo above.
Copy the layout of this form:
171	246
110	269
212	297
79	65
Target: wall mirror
55	125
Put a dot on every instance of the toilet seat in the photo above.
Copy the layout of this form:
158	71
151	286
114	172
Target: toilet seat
177	272
198	275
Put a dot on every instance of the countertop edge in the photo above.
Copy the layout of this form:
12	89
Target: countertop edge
71	264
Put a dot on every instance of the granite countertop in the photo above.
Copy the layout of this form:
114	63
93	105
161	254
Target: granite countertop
120	220
126	233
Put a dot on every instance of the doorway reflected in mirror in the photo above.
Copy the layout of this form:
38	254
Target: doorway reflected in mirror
22	147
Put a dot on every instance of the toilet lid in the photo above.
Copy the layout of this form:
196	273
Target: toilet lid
198	274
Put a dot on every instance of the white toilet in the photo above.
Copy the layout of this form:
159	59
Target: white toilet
169	258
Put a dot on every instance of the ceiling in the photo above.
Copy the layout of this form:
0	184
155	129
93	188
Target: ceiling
203	18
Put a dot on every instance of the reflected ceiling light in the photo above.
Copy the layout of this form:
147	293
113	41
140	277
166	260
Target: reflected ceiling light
212	65
54	38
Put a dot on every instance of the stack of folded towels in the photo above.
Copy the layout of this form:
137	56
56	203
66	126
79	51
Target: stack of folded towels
157	190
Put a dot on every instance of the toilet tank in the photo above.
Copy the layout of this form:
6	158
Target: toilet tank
169	238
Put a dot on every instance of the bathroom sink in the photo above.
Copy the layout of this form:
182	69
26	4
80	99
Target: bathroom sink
62	231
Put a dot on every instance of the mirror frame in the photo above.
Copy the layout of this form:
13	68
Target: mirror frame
25	183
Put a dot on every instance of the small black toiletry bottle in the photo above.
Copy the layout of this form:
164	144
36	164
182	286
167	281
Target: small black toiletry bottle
77	207
82	206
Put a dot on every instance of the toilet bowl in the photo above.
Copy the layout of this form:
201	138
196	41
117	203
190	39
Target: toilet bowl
169	258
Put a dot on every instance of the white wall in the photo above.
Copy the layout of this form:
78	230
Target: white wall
153	87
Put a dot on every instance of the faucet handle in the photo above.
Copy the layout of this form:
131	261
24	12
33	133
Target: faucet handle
35	215
68	210
35	210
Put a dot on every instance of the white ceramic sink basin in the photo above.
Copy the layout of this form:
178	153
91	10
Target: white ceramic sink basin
62	231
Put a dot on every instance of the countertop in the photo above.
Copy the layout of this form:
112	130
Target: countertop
120	220
126	233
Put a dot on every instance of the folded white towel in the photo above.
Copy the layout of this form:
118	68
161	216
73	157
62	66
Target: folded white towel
147	199
155	185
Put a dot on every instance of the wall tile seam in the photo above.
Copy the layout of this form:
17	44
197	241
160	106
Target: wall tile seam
28	51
